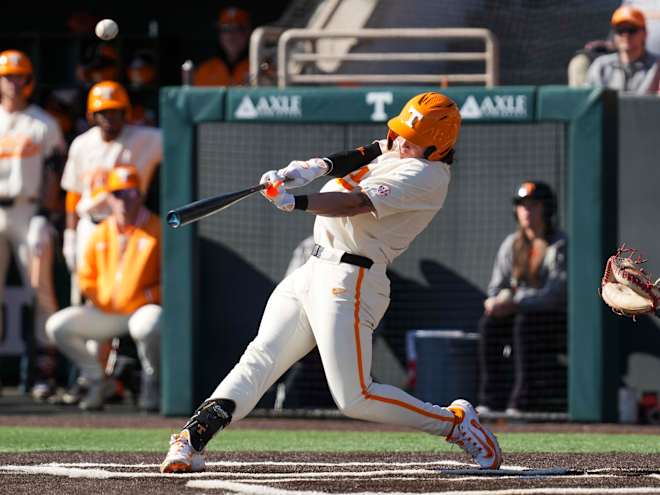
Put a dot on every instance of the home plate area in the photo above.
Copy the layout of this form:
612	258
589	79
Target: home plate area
305	473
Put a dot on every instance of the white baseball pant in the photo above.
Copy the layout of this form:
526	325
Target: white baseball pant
335	306
35	271
71	327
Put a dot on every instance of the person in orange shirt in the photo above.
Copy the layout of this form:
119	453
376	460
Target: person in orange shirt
120	278
231	66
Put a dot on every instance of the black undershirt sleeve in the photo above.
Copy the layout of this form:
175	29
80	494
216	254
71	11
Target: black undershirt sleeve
345	162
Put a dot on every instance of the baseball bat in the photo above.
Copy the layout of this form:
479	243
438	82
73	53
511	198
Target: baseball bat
204	207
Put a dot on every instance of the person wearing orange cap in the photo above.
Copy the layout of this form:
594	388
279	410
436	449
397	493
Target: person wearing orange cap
382	196
231	66
31	157
631	69
94	153
120	277
651	11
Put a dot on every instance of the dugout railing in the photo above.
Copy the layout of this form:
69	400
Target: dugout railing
217	274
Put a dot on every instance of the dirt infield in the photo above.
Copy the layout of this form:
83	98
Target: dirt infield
278	474
274	473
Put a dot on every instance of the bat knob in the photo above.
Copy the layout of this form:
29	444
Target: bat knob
173	219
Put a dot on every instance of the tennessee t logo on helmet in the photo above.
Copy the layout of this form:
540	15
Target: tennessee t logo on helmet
415	116
107	95
526	189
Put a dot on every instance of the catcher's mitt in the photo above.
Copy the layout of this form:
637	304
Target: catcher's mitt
626	287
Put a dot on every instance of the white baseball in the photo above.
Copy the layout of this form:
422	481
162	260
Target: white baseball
106	29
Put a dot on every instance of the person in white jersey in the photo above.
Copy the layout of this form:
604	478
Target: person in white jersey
383	196
93	154
31	154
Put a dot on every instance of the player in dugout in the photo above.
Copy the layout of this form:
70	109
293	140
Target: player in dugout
111	141
382	197
120	278
31	158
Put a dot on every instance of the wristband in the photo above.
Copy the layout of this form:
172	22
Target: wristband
300	202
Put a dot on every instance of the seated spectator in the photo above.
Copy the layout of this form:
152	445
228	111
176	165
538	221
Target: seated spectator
651	11
231	66
631	68
578	67
523	329
120	278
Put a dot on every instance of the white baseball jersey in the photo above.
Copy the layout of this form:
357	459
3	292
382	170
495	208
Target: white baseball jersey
26	138
89	153
336	306
406	193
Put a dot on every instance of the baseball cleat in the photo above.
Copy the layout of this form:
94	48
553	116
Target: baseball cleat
182	458
473	437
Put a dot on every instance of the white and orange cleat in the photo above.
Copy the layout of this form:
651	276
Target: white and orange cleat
182	457
473	437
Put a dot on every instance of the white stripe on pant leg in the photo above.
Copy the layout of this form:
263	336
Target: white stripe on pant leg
144	327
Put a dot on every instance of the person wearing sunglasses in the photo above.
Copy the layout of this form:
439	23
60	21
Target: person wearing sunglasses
631	69
120	279
231	65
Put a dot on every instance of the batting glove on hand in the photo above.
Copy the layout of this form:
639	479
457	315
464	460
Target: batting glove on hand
271	177
38	235
276	193
300	173
69	249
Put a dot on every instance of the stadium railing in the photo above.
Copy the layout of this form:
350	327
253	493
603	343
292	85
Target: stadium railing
312	56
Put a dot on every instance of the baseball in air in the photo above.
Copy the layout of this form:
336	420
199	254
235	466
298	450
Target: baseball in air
106	29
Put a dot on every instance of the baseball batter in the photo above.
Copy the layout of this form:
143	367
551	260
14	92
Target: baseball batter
93	154
383	196
31	143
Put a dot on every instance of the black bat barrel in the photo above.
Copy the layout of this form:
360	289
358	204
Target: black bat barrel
204	207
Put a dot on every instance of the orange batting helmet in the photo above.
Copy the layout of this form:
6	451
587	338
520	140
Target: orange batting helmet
123	177
431	120
15	62
107	95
